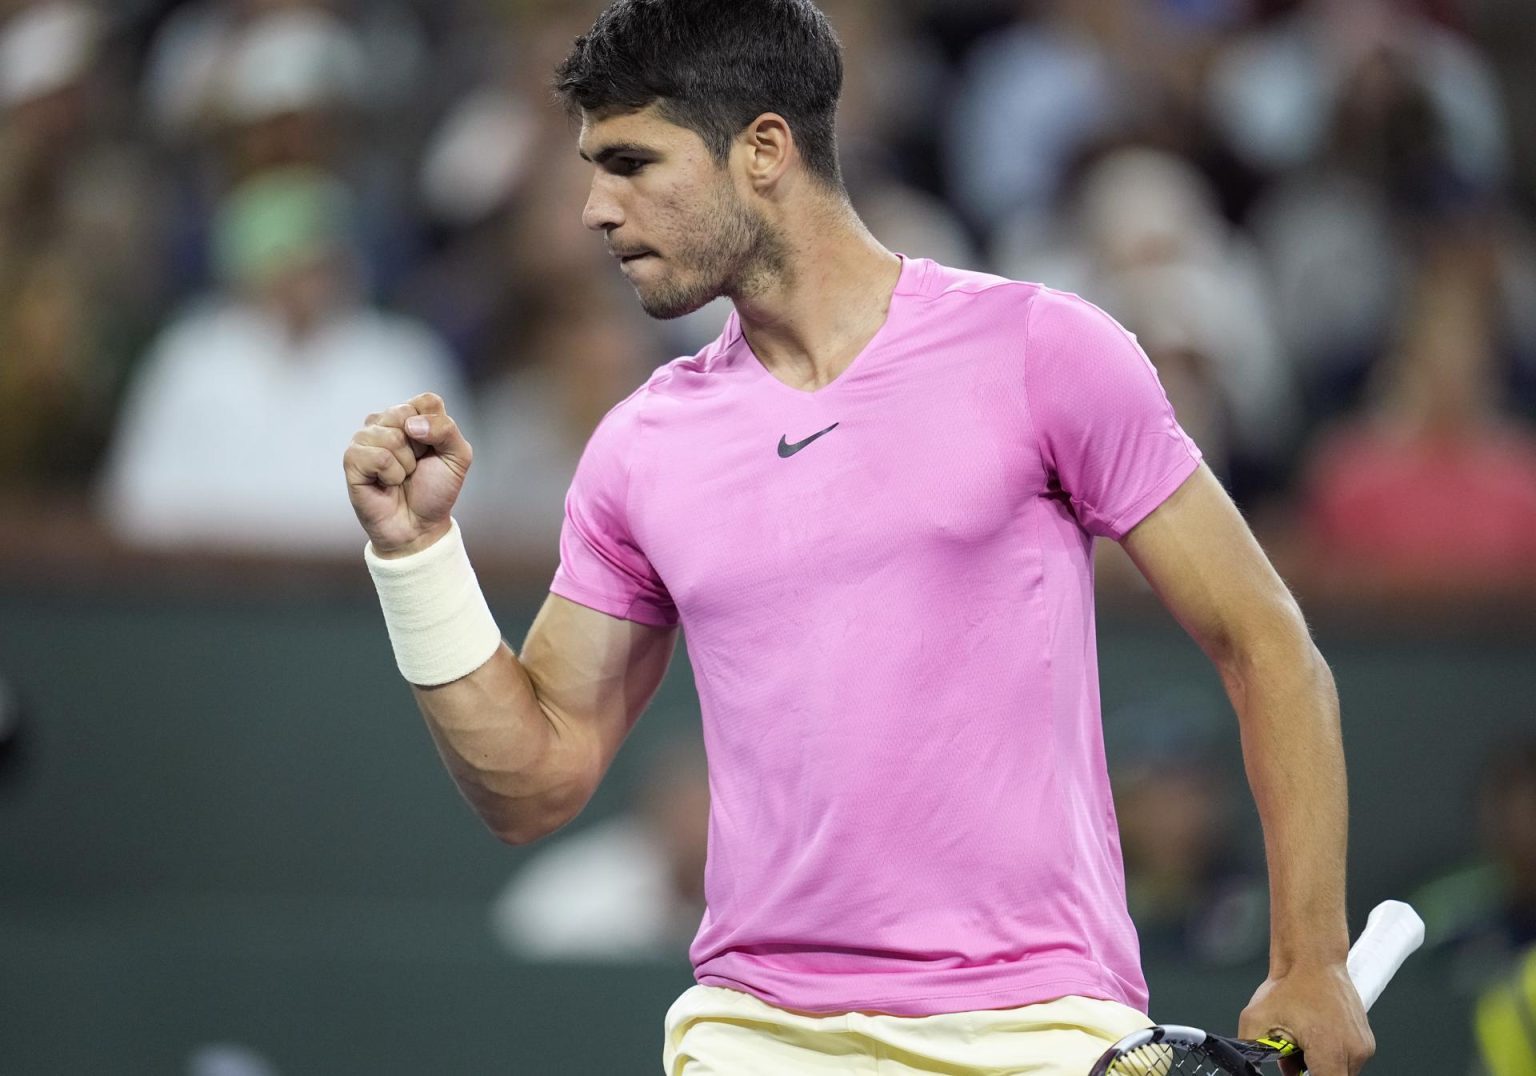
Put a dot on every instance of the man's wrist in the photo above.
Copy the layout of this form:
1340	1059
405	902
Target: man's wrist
415	545
1322	950
438	621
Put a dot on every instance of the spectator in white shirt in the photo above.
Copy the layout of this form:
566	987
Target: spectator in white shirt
247	398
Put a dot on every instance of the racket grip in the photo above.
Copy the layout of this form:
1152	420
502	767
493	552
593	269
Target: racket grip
1392	932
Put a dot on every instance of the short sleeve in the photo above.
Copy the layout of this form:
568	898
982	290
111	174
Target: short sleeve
1105	428
601	564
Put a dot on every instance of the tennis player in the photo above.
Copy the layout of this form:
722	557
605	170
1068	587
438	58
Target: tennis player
872	501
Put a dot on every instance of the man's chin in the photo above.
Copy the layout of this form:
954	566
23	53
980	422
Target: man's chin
665	306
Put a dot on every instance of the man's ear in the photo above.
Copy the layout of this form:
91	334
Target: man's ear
768	149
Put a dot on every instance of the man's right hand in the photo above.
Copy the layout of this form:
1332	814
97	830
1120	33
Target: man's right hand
405	469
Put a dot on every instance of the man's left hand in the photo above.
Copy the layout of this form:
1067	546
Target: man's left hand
1318	1009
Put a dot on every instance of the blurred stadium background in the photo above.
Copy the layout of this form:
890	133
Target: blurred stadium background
231	228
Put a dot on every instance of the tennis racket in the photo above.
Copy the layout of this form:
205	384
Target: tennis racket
1393	931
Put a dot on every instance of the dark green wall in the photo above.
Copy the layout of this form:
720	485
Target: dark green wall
233	827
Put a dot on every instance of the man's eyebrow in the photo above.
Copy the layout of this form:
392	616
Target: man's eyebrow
615	149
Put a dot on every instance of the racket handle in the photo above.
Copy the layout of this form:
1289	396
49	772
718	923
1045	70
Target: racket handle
1393	931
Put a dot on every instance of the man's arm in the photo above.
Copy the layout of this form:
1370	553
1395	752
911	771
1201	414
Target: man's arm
1205	565
528	739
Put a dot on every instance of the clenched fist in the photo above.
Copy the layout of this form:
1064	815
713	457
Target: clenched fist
405	469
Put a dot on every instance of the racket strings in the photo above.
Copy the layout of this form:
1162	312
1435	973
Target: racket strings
1163	1060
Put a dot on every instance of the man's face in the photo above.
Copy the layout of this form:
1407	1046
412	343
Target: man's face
670	213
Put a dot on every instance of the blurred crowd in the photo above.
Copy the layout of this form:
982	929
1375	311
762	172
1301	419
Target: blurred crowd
229	229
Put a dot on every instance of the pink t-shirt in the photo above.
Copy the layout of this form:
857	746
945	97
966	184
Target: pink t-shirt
887	591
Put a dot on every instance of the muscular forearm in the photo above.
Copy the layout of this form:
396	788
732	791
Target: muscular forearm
1288	710
524	771
1205	564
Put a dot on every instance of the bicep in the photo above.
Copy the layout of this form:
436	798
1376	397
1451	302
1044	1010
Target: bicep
1199	556
593	673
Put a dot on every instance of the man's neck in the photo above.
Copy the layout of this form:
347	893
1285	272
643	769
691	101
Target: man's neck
814	318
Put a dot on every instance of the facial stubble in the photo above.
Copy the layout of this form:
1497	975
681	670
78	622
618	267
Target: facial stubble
735	252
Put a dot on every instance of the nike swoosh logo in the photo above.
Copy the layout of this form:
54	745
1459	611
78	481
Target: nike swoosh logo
787	450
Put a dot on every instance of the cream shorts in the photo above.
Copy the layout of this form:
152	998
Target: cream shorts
711	1031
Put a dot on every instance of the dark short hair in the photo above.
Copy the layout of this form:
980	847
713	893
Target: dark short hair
714	66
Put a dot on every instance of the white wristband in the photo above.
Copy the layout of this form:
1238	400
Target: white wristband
438	621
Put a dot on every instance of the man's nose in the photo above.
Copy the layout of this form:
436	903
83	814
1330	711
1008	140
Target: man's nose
601	213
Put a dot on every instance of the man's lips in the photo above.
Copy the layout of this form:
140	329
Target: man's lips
626	256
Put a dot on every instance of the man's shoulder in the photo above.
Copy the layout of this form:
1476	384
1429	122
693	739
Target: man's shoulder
944	281
987	307
678	379
937	279
949	292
